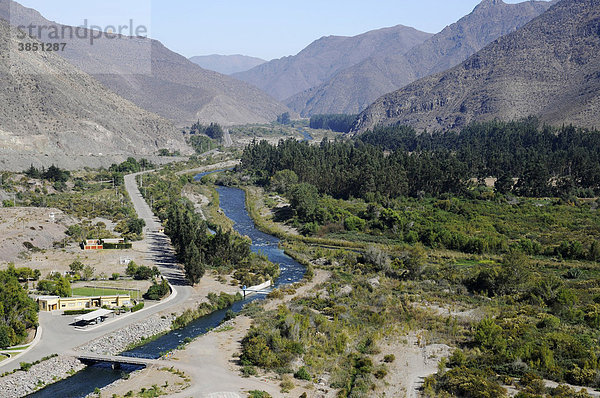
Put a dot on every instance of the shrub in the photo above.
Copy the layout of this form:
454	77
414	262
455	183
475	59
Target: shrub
248	371
77	312
389	358
286	385
302	374
354	223
25	366
157	291
137	307
380	373
258	394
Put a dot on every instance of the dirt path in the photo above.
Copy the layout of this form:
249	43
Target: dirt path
216	166
414	361
210	361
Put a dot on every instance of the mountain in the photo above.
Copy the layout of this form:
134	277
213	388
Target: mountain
353	89
227	64
53	111
318	62
154	77
548	68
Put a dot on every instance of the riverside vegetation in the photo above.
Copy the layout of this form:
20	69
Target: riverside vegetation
224	251
518	260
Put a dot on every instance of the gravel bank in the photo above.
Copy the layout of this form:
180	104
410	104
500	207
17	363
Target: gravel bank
47	372
117	342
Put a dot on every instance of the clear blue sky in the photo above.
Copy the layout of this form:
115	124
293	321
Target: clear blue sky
262	28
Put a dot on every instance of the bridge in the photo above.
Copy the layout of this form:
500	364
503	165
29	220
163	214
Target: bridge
115	360
259	289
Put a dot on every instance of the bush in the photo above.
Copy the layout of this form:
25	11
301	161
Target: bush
287	385
302	374
248	371
354	223
389	358
137	307
258	394
25	366
157	291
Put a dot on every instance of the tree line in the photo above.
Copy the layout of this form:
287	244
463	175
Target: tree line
334	122
546	160
525	159
196	248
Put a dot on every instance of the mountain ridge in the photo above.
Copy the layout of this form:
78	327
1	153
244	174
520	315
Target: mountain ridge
352	89
169	85
548	69
51	110
227	64
326	56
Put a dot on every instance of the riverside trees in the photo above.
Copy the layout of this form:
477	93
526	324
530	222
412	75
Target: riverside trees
18	312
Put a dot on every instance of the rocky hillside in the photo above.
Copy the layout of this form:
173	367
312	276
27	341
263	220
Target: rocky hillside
548	68
51	108
155	78
318	62
227	64
352	90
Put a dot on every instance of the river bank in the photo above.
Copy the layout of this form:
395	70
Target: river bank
22	383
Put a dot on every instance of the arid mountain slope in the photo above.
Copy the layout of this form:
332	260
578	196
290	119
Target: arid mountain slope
51	108
352	90
548	68
155	78
318	62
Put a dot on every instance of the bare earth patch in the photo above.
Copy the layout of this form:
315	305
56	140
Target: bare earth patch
31	225
414	361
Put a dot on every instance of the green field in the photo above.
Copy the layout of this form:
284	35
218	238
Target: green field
91	291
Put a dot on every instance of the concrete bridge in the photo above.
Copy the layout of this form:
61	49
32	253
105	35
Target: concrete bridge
259	289
116	360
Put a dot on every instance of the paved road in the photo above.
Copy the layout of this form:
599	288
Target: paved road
59	337
227	141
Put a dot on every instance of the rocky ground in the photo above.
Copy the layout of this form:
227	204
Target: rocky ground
31	226
22	383
117	342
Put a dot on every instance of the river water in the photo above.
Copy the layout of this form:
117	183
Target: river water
232	202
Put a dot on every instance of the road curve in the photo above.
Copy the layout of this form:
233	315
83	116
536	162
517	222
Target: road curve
59	337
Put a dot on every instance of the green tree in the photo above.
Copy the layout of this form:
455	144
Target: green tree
194	267
76	267
283	181
304	198
88	272
62	287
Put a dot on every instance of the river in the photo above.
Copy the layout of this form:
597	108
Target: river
233	203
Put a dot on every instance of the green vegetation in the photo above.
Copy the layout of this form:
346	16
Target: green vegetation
224	251
215	303
213	131
258	394
158	290
141	272
417	241
339	123
137	307
57	285
77	312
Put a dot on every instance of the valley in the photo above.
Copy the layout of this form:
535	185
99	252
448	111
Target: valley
408	206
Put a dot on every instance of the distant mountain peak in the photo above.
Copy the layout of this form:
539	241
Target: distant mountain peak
489	3
546	69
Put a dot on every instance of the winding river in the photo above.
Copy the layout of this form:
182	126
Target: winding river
232	202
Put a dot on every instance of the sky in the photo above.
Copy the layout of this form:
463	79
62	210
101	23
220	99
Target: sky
266	29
